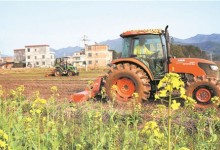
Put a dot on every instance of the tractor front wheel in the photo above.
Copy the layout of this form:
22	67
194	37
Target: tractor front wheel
127	80
202	89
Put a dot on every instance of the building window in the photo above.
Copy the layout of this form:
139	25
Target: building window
89	54
43	56
96	61
35	57
90	62
43	63
89	48
37	63
96	54
29	64
28	57
35	50
28	50
51	56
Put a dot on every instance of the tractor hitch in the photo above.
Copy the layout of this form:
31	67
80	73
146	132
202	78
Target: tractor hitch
89	92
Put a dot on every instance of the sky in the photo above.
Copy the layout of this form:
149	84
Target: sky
64	23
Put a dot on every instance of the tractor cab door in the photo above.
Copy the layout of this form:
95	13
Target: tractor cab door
150	49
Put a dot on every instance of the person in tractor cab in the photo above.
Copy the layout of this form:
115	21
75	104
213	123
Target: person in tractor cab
141	50
63	64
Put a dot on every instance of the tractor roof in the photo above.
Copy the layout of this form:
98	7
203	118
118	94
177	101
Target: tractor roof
140	32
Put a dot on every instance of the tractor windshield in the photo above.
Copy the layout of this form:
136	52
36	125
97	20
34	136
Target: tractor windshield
150	49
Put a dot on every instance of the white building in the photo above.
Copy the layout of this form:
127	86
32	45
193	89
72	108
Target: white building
39	56
78	59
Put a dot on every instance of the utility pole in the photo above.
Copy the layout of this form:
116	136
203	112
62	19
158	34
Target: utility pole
85	39
210	54
1	57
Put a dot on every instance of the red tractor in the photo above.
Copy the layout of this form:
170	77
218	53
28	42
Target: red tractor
141	72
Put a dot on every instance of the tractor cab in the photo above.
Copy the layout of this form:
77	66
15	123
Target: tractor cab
149	47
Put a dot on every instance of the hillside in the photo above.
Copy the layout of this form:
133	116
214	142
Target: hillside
209	43
200	38
114	44
65	51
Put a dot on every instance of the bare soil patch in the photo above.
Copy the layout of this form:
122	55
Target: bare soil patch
35	80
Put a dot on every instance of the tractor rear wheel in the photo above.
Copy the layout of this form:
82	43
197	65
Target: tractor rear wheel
57	72
128	79
70	73
202	89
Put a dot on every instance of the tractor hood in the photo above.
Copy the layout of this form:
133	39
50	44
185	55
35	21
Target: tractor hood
194	66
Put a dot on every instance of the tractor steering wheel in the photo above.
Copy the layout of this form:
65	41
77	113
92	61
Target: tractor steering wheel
145	56
155	55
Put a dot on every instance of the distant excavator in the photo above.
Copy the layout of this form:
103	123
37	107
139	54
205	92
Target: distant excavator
141	72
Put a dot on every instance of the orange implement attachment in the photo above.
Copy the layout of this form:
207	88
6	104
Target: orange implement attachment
89	92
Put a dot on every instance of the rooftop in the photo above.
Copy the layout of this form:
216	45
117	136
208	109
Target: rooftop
36	45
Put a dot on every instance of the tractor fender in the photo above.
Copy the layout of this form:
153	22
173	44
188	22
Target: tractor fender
136	62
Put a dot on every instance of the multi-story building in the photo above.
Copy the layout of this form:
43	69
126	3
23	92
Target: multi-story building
78	59
39	56
97	55
19	55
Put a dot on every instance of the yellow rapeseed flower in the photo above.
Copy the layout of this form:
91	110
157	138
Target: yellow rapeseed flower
54	89
20	89
151	129
1	91
28	119
44	119
39	101
114	87
150	125
97	114
3	135
175	105
13	92
135	95
38	111
1	132
3	144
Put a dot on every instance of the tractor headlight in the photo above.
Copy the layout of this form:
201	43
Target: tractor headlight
214	67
